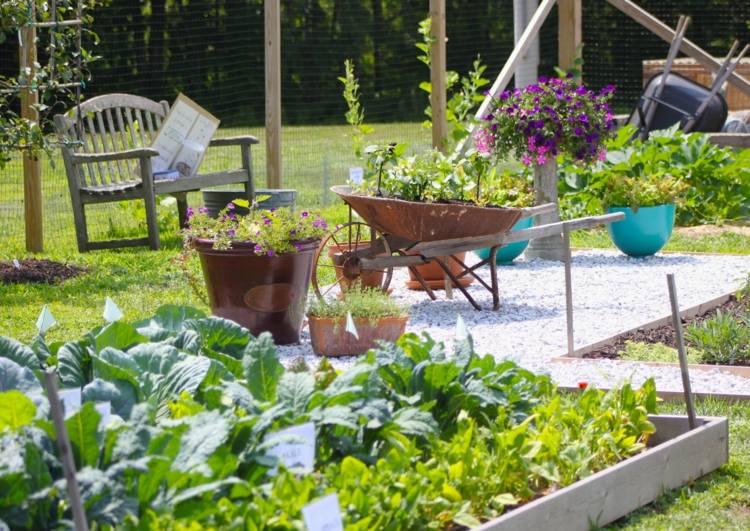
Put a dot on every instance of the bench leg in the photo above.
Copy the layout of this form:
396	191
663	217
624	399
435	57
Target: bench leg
182	206
79	218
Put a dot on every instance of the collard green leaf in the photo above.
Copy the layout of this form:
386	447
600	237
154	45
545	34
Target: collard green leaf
16	410
220	335
83	433
262	367
167	321
118	335
153	362
295	389
119	393
206	432
413	421
112	364
18	352
14	376
184	376
74	364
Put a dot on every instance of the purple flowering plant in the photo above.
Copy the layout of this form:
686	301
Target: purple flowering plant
549	118
272	232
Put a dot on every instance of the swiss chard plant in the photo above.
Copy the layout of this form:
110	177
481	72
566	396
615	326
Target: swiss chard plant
414	435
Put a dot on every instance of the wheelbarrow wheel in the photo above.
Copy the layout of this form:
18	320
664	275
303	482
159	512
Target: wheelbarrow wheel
337	264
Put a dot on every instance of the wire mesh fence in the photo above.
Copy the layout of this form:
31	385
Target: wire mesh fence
212	50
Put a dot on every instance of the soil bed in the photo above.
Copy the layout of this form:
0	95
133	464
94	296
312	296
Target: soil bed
665	334
32	271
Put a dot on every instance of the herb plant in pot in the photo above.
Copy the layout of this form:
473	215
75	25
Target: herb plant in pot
257	268
649	207
373	314
536	124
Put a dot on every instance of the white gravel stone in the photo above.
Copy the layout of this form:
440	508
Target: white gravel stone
611	293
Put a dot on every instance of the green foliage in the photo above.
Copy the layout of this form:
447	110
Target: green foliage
411	436
636	351
48	79
367	303
434	177
272	231
355	114
723	339
711	182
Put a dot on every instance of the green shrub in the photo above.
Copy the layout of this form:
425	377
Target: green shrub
723	339
365	303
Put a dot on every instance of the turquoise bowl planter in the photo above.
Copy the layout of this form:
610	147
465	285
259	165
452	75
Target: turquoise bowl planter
643	232
507	253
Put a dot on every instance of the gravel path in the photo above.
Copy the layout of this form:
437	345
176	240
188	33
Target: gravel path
611	293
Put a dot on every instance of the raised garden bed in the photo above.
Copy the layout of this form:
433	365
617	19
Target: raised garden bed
661	331
676	456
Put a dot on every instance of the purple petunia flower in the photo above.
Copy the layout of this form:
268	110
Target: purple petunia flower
305	213
230	206
270	252
203	210
258	248
190	212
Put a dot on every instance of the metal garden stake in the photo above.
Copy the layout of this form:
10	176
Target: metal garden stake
681	351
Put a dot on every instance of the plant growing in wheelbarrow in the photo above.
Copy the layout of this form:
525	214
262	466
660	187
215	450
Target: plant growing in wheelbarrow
257	267
355	322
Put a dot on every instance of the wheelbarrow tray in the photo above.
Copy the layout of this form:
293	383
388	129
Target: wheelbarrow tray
429	222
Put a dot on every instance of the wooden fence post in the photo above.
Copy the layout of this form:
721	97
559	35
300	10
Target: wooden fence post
438	96
569	33
32	171
273	92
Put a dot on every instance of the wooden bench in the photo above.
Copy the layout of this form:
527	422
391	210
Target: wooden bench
107	159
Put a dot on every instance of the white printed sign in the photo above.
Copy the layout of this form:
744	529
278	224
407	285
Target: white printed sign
105	410
45	321
323	514
183	137
294	447
356	175
71	401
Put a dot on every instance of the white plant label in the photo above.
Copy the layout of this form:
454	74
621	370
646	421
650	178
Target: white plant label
45	321
295	448
105	410
323	514
350	326
16	263
111	312
462	333
71	401
356	175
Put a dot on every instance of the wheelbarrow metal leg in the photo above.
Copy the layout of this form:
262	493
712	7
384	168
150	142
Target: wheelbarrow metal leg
447	271
466	270
493	277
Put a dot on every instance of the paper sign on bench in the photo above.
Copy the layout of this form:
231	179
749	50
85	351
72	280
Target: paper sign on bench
295	448
323	514
183	137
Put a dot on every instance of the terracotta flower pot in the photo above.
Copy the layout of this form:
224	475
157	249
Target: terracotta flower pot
262	293
329	337
435	276
368	279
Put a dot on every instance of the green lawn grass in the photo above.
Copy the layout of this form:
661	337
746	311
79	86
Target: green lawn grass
720	500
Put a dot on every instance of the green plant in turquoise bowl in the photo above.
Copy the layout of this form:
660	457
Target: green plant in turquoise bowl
649	207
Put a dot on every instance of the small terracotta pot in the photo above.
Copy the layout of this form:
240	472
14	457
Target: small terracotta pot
435	276
262	293
368	279
330	338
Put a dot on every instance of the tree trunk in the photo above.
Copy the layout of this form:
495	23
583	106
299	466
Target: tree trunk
545	189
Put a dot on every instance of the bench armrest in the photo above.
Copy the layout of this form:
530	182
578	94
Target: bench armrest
243	140
81	158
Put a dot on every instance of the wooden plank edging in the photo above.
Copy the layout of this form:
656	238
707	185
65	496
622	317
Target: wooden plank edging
613	493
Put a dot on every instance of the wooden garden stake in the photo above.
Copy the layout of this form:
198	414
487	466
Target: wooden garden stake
438	95
568	288
66	454
273	92
32	169
681	351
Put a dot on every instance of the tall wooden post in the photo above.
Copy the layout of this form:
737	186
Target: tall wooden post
438	96
273	92
569	33
32	171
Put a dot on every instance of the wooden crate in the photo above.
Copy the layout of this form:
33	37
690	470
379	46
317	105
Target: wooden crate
677	456
736	99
